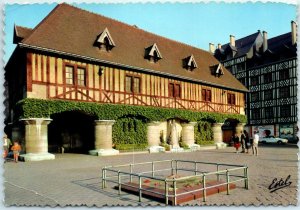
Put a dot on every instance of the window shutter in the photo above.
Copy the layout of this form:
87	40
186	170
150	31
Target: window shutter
208	95
203	91
136	85
171	90
232	99
177	90
228	98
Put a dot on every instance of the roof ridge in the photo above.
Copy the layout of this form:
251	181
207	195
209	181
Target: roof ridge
18	31
258	32
40	23
281	35
242	38
133	27
23	27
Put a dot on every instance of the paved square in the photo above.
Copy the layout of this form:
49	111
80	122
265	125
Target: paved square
73	179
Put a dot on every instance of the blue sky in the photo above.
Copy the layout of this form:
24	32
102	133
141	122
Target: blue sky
196	24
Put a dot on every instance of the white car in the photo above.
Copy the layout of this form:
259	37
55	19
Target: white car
272	139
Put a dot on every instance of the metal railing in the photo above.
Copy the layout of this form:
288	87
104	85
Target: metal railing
229	171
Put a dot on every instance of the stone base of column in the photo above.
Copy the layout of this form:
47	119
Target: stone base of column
156	149
176	149
37	156
194	147
104	152
220	145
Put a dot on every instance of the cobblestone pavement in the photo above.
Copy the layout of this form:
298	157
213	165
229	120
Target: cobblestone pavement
75	179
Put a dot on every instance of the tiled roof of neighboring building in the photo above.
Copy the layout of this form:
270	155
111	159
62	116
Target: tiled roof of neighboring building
275	44
73	31
243	45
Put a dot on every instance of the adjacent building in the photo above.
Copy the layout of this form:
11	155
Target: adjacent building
75	72
268	68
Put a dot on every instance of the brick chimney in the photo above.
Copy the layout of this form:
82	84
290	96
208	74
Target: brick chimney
294	32
211	48
265	41
232	40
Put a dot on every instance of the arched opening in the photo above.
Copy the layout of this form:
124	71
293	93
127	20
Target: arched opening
229	128
72	130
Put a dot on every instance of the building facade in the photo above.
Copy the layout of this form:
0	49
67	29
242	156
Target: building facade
268	68
67	73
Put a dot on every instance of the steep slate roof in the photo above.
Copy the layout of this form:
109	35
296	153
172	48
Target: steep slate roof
73	31
275	44
242	45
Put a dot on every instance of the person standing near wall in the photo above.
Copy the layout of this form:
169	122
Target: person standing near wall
247	141
236	142
243	138
6	145
255	143
16	148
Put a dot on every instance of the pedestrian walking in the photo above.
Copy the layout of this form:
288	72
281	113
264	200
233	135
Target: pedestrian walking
255	143
16	148
247	141
243	137
6	146
236	142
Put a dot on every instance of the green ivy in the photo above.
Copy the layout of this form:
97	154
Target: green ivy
39	108
130	130
131	147
165	145
203	133
183	145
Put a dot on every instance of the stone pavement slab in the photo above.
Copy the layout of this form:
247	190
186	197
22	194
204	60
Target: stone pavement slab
75	179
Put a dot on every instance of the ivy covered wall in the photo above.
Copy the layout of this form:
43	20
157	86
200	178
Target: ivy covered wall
130	133
130	128
39	108
203	133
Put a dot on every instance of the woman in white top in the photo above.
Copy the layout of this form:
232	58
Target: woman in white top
6	145
255	143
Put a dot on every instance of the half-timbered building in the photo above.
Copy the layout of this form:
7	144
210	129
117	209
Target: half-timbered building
268	68
78	56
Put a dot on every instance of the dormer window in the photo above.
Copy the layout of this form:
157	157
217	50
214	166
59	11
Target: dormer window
152	53
189	63
217	70
104	41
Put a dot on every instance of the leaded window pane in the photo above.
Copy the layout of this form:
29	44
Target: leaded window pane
128	87
81	76
69	75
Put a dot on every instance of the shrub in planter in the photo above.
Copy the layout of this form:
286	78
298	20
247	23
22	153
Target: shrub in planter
166	146
131	147
183	145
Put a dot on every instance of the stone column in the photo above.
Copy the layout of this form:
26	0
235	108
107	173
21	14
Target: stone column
36	139
239	128
218	135
188	135
153	137
103	138
153	133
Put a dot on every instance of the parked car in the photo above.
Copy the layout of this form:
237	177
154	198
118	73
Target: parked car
272	139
